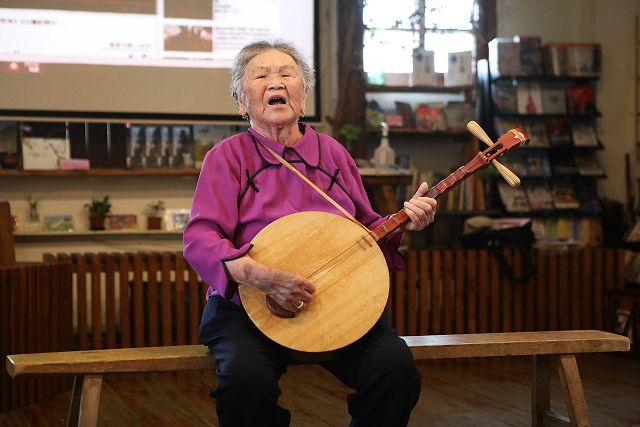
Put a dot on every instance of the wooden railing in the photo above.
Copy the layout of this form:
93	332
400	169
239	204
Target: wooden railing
134	299
35	317
92	301
465	291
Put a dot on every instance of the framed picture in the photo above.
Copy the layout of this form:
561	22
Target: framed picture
58	222
176	219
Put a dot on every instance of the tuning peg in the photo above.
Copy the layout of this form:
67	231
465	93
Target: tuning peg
506	173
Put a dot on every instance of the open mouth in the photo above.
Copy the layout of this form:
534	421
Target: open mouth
277	100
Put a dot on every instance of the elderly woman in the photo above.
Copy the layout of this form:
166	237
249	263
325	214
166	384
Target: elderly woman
241	189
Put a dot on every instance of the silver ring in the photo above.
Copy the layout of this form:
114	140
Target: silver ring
299	306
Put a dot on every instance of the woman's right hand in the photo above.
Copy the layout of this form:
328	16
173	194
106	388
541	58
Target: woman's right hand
286	288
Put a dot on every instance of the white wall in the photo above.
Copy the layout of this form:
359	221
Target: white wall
612	24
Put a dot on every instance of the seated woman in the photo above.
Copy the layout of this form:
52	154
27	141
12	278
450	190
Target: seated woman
242	189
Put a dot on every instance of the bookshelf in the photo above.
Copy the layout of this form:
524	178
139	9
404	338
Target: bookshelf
560	167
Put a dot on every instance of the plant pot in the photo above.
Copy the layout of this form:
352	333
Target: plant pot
154	223
96	222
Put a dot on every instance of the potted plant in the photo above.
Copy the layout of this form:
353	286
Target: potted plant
155	210
98	211
33	221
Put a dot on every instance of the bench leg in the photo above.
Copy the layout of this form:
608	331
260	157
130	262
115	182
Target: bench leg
540	390
85	401
573	393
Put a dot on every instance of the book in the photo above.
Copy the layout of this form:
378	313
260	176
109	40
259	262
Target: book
563	196
537	131
430	117
516	161
537	164
44	153
405	110
554	100
182	149
459	72
153	146
58	222
423	68
529	97
136	147
504	125
558	132
530	55
580	99
9	158
584	134
504	57
539	195
457	115
505	97
205	137
587	164
514	199
586	193
123	221
563	163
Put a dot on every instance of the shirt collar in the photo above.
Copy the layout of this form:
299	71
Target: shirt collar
307	149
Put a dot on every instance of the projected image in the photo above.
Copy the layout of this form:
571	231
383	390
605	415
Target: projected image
113	6
144	58
188	38
192	9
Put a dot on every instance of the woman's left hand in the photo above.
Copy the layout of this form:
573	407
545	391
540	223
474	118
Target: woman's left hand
420	209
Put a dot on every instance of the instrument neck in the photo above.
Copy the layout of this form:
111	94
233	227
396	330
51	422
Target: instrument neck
400	218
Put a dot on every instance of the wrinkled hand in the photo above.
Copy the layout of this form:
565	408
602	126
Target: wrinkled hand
286	288
420	209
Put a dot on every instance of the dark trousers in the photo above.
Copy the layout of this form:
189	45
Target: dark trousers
378	367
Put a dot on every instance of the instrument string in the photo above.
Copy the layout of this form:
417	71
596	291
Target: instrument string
339	258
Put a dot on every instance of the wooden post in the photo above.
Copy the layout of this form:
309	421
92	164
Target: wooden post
7	245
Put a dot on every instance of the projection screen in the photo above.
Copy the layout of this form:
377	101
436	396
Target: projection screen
139	58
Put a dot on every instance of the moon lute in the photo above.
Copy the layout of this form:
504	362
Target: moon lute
344	263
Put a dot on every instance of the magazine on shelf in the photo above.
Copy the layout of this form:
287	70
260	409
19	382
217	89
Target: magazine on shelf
584	134
554	100
430	117
564	196
558	131
127	221
503	125
537	131
588	164
530	55
580	99
514	199
529	98
539	195
505	97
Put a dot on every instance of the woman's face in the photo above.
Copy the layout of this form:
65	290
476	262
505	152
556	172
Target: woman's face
272	90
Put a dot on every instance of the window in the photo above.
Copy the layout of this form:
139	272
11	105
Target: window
393	30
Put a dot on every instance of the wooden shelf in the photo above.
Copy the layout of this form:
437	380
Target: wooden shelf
103	172
418	89
88	234
424	132
546	78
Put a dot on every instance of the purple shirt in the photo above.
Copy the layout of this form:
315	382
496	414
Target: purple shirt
242	188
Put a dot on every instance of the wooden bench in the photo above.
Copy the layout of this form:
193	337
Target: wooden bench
545	348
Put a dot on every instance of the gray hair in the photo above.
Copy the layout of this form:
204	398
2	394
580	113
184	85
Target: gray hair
252	50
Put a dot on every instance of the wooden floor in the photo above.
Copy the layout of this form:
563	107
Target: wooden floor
487	392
